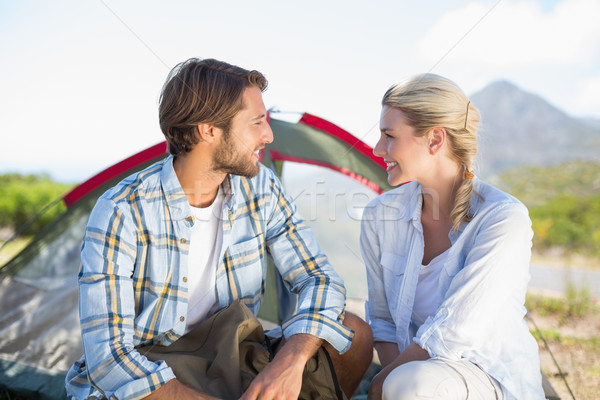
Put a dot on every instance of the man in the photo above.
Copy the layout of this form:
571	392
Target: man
173	246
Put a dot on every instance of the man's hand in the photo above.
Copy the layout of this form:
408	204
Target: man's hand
282	377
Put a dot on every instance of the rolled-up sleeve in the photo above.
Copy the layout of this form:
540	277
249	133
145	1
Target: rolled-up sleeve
307	272
488	291
106	306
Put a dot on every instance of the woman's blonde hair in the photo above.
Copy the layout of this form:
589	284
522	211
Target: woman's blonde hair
428	101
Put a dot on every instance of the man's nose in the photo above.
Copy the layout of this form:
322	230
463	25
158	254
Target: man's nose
267	135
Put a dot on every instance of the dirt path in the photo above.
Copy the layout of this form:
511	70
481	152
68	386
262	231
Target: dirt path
555	279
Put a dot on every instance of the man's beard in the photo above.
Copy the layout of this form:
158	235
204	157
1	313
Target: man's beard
231	160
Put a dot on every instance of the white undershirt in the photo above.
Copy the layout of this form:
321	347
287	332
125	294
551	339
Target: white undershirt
427	296
205	245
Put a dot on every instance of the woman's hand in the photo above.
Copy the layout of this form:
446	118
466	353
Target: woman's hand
375	390
413	352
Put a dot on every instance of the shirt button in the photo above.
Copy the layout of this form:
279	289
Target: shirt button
182	319
185	278
184	240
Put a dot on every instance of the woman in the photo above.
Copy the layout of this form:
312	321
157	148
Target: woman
447	258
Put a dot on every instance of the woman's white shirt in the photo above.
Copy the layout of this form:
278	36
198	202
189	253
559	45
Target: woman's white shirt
427	293
482	284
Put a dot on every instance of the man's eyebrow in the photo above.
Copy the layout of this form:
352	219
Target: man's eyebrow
256	118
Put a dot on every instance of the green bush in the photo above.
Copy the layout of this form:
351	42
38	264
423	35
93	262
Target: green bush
535	186
564	204
23	196
572	223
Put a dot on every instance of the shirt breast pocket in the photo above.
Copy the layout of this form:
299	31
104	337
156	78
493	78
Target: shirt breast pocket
452	266
244	265
393	267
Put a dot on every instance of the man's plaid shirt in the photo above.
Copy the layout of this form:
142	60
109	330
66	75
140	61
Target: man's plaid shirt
132	283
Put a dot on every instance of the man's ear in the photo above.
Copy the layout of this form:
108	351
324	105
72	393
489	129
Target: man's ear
437	138
206	133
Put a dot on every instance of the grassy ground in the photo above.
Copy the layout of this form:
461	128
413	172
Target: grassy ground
569	344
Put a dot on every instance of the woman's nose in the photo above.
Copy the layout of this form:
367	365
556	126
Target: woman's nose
379	149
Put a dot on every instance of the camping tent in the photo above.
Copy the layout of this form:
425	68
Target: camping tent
39	326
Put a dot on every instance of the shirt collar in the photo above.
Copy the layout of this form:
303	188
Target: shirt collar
403	203
175	197
229	190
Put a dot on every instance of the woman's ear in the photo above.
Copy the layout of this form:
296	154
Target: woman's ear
437	138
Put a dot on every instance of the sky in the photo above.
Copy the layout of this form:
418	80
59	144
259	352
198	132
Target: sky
80	80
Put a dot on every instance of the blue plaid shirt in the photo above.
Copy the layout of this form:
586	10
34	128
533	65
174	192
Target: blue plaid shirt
132	283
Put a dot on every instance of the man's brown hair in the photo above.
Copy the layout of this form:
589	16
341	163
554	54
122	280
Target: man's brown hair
202	92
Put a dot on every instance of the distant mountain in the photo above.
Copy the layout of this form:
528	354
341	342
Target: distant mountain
522	129
595	122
